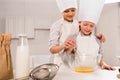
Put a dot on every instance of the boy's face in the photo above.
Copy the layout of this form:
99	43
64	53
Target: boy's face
69	14
86	27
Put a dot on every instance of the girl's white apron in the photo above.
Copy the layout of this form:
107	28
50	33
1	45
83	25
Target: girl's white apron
87	45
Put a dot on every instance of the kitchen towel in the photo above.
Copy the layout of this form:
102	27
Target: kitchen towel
6	69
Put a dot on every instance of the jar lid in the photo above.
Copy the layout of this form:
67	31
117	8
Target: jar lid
22	35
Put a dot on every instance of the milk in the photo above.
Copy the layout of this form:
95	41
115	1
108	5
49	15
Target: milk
22	62
22	57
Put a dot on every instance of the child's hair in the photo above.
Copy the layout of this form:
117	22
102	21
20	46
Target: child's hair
79	25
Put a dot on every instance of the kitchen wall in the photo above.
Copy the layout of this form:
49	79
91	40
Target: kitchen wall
109	25
35	17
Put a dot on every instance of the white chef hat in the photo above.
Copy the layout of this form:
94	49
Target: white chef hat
66	4
90	10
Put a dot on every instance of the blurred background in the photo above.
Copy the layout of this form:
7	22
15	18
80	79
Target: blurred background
35	17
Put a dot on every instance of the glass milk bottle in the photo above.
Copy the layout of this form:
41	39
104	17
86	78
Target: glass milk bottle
22	58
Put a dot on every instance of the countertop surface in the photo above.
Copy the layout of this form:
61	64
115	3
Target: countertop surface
65	74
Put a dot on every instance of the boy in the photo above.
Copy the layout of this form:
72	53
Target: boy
62	29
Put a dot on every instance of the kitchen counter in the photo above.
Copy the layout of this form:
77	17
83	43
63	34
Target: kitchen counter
99	74
67	74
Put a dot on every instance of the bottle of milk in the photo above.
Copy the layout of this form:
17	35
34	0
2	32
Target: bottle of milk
22	58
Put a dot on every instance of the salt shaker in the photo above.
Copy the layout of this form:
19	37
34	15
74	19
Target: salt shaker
22	57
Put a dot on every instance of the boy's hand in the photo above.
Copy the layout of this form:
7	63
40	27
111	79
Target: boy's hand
69	44
69	51
101	37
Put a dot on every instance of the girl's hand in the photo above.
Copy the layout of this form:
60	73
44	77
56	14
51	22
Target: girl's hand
103	65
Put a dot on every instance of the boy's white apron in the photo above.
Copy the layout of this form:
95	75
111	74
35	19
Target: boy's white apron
67	30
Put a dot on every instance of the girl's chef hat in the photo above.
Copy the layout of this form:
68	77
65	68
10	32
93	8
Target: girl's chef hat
66	4
90	10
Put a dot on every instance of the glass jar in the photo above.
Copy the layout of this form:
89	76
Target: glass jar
86	63
22	57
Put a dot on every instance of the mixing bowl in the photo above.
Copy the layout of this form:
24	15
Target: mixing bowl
86	63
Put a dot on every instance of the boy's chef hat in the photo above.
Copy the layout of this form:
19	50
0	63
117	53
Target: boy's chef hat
90	10
66	4
111	1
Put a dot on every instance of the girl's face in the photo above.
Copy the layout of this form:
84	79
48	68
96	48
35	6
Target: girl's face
69	14
86	27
